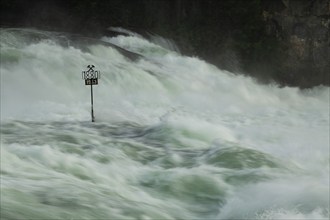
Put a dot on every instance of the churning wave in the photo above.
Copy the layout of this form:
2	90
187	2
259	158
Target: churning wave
174	137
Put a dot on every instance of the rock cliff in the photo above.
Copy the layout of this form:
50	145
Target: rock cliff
302	29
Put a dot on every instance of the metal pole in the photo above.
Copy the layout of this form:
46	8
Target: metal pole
92	110
91	78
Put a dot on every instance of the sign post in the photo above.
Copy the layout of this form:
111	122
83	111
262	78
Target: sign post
91	77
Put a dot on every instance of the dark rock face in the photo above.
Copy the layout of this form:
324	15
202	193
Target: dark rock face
302	28
286	41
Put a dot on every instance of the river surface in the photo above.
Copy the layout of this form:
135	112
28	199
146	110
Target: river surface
174	137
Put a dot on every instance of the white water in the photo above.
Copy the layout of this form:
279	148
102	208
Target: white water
174	137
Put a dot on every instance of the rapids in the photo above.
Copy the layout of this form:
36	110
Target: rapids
174	137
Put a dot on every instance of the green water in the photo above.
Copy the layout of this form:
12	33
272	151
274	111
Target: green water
174	137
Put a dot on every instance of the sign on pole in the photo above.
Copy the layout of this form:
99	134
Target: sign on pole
91	77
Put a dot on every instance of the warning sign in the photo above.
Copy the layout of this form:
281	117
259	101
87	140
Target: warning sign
91	76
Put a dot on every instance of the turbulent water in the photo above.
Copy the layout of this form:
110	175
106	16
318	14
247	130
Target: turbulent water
174	137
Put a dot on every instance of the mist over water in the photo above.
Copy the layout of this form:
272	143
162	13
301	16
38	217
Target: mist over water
174	137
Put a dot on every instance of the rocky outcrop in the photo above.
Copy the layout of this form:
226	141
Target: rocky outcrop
302	28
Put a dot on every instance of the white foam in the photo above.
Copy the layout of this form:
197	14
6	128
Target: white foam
193	101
